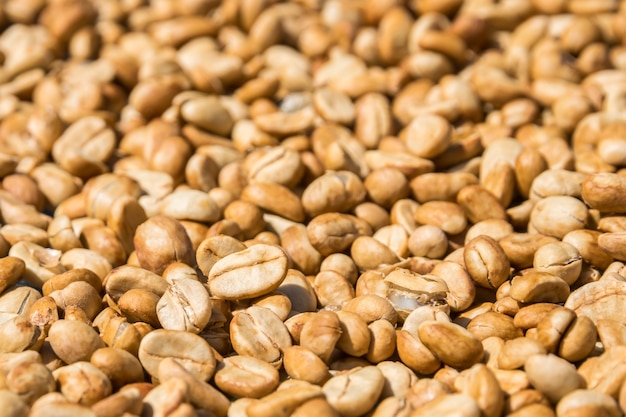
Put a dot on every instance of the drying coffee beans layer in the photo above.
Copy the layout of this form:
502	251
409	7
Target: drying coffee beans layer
260	208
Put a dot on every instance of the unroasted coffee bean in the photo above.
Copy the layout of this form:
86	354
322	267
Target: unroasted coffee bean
120	366
246	376
302	363
151	243
331	232
74	341
190	350
486	262
564	378
249	273
83	383
260	333
321	333
463	349
184	306
359	391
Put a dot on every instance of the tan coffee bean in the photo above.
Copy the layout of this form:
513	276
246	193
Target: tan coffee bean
460	404
12	404
355	336
184	306
11	269
596	188
333	192
120	366
74	341
586	242
590	401
481	384
83	383
564	378
139	305
479	204
410	165
537	287
244	376
560	259
597	300
41	264
493	324
331	232
402	213
460	285
299	291
201	394
79	294
303	364
274	198
321	333
520	248
278	303
558	215
30	381
448	216
398	379
371	308
282	403
425	390
361	389
208	113
215	248
84	147
296	244
194	205
342	264
260	333
333	106
516	351
376	216
59	282
149	240
382	341
122	279
128	400
612	244
160	344
369	253
611	332
427	136
486	262
249	273
43	313
463	350
439	186
18	300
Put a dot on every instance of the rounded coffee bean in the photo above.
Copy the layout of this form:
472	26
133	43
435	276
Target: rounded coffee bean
250	273
188	349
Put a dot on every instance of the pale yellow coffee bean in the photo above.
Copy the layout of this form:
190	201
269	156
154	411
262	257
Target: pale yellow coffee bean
486	262
302	363
83	383
463	349
74	341
321	333
597	188
246	376
189	350
537	287
260	333
249	273
564	378
360	389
